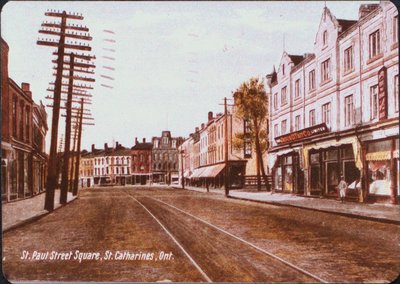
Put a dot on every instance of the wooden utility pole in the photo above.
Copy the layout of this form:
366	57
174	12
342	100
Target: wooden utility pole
59	29
78	152
64	175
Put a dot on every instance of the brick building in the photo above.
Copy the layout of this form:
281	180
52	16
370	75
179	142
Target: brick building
19	147
141	162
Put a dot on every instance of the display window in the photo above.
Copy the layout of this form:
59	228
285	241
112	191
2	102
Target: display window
379	177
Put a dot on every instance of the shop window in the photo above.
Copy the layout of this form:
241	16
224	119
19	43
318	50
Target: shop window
379	177
314	158
331	155
278	178
374	44
347	153
288	178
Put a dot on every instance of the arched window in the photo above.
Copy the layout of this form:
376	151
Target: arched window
325	38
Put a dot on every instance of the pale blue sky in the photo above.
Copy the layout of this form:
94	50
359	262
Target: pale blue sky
174	60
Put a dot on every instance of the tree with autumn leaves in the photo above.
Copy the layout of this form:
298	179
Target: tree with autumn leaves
251	106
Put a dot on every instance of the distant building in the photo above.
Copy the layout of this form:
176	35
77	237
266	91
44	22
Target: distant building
141	162
112	166
165	158
335	112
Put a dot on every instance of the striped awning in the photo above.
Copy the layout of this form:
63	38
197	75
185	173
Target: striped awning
378	156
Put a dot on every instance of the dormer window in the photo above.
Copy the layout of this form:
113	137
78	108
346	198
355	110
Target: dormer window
325	38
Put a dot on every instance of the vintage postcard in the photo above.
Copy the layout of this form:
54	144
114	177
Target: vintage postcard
226	141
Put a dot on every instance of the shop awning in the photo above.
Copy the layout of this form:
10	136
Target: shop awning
272	157
212	171
197	172
378	156
333	143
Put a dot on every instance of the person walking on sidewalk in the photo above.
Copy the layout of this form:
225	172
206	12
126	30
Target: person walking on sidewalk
342	186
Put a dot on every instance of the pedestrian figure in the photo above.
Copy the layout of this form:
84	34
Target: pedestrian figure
342	186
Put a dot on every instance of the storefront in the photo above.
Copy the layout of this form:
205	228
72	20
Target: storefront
288	175
383	169
327	161
326	168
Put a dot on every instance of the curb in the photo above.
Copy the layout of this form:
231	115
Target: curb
350	215
35	218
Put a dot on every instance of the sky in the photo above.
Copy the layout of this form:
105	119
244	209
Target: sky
174	61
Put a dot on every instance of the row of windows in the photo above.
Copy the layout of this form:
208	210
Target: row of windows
374	50
165	166
349	111
102	161
117	170
21	121
164	142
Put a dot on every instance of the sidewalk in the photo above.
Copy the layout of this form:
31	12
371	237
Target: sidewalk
377	212
19	212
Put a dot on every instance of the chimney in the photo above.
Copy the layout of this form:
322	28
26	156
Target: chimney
105	146
26	88
136	141
210	115
365	9
202	126
144	140
116	145
92	147
196	130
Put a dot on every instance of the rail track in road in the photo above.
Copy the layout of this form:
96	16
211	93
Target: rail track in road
218	254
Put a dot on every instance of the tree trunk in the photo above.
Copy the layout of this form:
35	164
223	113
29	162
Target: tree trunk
258	151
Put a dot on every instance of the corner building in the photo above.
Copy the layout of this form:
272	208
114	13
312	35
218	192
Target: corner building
335	112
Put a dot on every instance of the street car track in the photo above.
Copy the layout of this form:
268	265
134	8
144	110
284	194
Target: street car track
205	276
275	257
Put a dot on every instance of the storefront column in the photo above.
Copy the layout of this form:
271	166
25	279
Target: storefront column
393	173
364	175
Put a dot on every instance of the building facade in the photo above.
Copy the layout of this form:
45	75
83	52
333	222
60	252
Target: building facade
335	113
141	162
165	158
112	166
40	158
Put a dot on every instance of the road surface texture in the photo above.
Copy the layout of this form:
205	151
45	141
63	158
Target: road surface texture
160	234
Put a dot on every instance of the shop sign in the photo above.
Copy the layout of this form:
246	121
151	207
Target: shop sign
382	93
301	134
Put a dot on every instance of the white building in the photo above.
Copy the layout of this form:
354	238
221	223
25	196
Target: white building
335	112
